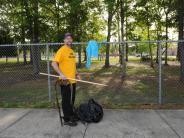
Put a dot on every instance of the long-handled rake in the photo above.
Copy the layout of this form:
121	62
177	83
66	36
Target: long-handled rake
89	82
58	105
56	94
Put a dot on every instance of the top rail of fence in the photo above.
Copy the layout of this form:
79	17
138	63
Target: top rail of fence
84	43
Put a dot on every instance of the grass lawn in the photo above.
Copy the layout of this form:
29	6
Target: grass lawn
19	87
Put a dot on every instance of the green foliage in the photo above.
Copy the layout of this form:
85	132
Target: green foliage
85	19
82	18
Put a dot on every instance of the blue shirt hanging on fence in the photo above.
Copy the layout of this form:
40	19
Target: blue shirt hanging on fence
91	51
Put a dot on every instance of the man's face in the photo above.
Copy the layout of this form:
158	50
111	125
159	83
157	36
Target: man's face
68	40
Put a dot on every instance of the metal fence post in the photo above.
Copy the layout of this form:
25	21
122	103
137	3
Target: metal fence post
48	71
125	62
160	74
18	53
123	53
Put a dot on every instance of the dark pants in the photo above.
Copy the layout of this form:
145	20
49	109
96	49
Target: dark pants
68	99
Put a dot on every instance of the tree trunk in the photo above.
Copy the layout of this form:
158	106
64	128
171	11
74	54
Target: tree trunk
6	59
127	51
78	38
126	30
57	20
122	15
158	38
36	50
23	34
110	15
119	38
166	45
85	54
157	46
148	31
181	37
30	27
79	54
150	48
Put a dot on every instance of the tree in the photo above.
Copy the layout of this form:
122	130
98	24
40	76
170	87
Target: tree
35	48
180	12
23	31
168	8
126	24
111	6
119	35
76	20
145	17
122	16
10	51
158	24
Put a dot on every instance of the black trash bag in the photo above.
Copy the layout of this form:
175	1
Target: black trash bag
90	112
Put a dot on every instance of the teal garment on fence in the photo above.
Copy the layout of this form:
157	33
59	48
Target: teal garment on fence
91	51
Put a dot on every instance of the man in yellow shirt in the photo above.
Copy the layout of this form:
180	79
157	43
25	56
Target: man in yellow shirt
64	63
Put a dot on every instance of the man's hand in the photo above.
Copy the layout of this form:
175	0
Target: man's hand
56	68
63	77
78	76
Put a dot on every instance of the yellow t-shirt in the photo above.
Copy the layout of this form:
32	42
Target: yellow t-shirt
65	57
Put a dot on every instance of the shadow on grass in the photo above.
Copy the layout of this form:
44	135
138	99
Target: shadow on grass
138	89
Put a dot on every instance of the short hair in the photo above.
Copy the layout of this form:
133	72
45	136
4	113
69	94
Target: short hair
68	34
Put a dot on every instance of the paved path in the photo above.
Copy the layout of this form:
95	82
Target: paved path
44	123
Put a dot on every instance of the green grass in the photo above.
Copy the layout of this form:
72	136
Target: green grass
19	87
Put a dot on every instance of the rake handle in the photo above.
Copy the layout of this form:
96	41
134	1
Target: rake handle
89	82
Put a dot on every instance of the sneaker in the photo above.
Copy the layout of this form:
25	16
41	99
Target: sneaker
70	123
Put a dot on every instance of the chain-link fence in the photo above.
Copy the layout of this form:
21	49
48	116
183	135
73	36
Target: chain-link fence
137	72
